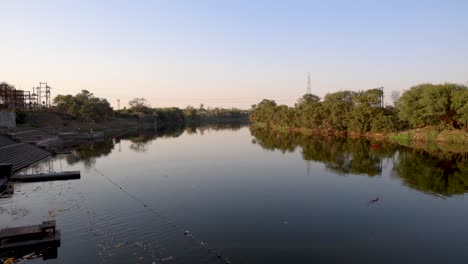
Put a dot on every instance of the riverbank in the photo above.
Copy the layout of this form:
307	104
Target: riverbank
64	122
325	133
431	135
428	138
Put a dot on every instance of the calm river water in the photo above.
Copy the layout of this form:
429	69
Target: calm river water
245	195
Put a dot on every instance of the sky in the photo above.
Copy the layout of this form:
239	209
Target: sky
230	53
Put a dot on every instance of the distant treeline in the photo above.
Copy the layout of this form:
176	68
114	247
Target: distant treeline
139	107
86	106
443	105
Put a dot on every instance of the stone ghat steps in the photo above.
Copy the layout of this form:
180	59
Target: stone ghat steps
29	136
4	141
22	155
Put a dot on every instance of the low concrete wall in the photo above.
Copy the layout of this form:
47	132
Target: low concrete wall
7	119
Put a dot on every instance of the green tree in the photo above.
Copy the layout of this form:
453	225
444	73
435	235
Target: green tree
433	104
264	112
337	109
84	105
310	114
460	107
366	107
307	98
140	105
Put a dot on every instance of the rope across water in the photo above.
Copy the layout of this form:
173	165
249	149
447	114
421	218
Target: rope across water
184	231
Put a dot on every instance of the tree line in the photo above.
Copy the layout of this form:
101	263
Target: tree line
86	106
190	114
422	105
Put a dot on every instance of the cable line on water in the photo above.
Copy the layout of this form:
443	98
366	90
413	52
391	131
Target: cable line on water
166	218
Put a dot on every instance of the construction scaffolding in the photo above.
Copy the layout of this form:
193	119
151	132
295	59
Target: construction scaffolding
11	98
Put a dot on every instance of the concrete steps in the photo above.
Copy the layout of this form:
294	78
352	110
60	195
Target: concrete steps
22	155
29	136
39	138
4	141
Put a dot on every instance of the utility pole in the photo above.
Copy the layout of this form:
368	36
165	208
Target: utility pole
382	97
118	104
309	88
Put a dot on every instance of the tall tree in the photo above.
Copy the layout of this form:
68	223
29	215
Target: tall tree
139	105
431	104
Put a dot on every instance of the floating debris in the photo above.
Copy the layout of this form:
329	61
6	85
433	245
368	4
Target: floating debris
167	259
373	201
119	245
14	211
9	261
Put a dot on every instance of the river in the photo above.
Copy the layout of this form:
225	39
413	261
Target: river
245	195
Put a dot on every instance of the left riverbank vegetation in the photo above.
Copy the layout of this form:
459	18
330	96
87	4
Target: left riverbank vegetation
84	105
425	112
85	110
87	107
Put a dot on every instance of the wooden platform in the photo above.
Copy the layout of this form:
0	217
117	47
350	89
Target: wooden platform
44	234
55	176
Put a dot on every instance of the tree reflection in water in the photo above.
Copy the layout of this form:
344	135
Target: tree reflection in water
438	173
88	151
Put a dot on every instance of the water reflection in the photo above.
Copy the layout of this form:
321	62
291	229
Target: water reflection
232	126
437	173
88	151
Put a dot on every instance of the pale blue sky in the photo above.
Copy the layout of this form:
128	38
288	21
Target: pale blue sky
230	53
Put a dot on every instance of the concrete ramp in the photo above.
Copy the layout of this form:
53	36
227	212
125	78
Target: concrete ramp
22	155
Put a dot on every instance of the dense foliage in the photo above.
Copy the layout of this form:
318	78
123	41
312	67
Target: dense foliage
202	114
361	112
429	104
84	105
139	107
170	115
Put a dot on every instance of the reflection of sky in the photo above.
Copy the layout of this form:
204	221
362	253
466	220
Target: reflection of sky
238	197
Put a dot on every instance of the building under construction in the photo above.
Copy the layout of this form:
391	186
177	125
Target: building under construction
11	98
